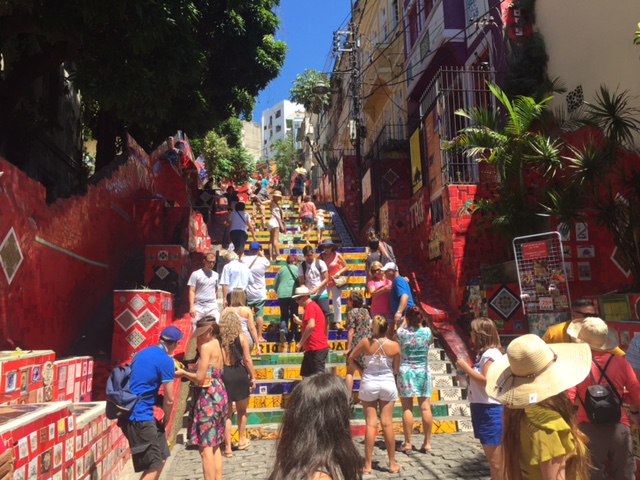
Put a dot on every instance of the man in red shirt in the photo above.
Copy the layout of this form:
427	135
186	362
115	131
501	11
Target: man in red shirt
613	440
314	337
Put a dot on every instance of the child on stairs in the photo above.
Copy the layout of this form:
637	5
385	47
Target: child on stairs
486	413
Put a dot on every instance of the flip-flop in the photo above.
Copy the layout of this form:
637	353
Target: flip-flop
227	454
395	470
406	449
246	445
424	450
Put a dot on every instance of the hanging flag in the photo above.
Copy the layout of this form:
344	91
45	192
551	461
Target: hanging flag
202	172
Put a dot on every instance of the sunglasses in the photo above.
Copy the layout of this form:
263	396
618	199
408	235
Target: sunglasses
376	270
584	314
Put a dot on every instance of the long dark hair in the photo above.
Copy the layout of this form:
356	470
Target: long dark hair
415	318
315	433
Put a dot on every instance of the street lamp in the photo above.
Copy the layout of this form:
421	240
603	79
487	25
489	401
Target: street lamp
320	88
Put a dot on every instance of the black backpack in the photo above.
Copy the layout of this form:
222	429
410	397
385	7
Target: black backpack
602	403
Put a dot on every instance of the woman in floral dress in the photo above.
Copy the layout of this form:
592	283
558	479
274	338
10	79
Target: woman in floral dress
210	406
414	377
358	327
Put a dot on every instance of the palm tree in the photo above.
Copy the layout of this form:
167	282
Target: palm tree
512	139
604	181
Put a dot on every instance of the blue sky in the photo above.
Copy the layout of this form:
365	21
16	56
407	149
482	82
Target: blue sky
307	28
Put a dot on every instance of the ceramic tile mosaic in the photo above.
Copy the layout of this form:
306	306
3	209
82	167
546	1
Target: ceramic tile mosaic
442	382
505	303
438	368
137	303
147	320
459	409
126	320
135	339
10	255
450	394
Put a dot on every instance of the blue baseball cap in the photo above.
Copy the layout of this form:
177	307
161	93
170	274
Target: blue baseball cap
255	246
171	333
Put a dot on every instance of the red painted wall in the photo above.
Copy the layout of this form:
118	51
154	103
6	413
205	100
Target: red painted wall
53	294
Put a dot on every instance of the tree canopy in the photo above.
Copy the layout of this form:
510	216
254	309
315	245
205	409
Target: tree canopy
150	68
286	156
302	93
224	156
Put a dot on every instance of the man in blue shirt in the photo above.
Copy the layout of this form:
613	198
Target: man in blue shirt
400	294
151	368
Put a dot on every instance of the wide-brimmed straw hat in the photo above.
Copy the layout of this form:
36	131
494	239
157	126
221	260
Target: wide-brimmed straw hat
301	292
533	371
276	193
594	332
202	327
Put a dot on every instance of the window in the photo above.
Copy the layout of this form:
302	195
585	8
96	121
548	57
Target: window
437	211
395	17
412	18
278	128
383	24
278	114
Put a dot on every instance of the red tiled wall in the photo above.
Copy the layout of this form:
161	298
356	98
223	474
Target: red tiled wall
463	246
52	294
349	198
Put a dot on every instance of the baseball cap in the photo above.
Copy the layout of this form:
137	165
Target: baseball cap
389	266
171	333
255	246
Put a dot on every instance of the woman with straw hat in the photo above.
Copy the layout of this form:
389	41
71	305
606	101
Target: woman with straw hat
611	440
276	226
541	437
207	428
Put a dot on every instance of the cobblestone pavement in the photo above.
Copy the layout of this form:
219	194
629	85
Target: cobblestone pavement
453	456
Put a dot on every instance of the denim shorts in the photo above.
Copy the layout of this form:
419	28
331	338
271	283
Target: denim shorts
487	423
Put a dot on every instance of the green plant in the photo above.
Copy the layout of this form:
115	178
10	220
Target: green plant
395	145
302	91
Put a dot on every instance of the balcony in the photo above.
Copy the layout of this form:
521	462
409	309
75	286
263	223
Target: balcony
429	38
452	89
391	141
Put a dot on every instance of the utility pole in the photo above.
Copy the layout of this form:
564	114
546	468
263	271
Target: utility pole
355	129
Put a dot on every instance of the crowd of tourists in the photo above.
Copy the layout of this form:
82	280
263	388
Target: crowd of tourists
548	408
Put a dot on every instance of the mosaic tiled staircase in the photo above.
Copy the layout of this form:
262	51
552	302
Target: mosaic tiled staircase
278	367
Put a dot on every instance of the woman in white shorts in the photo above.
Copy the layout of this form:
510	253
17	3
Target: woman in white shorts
378	388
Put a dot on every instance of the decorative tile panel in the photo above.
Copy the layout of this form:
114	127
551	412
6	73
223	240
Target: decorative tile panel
147	320
135	339
10	255
137	303
126	320
505	303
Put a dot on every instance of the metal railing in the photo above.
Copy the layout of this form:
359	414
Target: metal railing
452	89
392	137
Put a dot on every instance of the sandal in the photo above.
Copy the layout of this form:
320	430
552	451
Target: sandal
424	449
406	449
245	445
397	468
227	454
